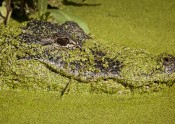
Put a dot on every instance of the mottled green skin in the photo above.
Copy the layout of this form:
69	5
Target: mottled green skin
21	68
84	64
68	35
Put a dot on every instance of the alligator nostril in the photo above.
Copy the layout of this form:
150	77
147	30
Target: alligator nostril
169	64
166	59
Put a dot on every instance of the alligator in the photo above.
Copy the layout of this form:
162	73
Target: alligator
68	51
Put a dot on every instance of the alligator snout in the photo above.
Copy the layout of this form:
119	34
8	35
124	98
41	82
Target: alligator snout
169	64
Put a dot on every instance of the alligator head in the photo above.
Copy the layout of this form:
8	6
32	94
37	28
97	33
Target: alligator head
61	50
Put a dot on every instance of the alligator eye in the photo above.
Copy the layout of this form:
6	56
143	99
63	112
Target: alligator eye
62	41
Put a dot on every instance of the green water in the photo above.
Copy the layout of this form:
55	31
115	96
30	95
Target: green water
147	24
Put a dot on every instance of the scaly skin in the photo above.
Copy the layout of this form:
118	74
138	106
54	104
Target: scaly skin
55	46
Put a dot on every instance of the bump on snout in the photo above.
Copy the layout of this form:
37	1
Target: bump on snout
169	63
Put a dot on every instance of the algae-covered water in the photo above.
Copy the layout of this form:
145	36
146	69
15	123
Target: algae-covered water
147	25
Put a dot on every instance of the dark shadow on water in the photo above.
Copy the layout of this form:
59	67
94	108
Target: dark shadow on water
18	16
51	7
22	16
71	3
